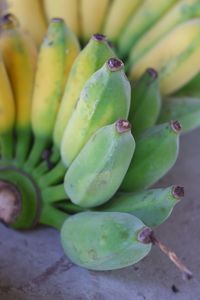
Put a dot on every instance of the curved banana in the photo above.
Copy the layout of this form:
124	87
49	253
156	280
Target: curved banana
104	98
146	15
92	15
97	172
7	115
58	51
182	11
68	10
30	15
175	57
20	54
90	59
118	15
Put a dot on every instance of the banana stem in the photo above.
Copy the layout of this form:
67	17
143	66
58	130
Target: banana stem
23	145
54	176
53	194
7	145
36	153
52	216
69	207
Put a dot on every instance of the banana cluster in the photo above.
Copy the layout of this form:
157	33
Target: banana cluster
68	147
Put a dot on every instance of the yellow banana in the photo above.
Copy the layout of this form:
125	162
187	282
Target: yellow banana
58	51
92	14
30	15
7	114
65	9
176	57
148	13
179	13
19	54
118	16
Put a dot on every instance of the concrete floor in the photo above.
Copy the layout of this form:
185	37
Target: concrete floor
32	264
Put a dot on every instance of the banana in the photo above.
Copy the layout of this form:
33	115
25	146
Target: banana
65	9
182	11
104	240
118	15
30	15
191	89
104	99
7	115
57	53
92	15
156	152
145	102
91	58
185	109
146	15
152	206
175	57
20	54
90	181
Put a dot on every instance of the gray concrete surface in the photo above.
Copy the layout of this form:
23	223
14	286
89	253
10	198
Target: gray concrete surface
32	264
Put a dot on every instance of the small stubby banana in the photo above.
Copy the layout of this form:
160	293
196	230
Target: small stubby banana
182	11
104	240
90	59
151	206
98	170
30	15
118	15
145	101
146	15
20	55
7	115
185	109
68	10
155	154
175	57
58	51
92	15
104	98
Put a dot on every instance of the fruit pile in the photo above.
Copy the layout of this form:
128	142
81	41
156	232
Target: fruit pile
68	155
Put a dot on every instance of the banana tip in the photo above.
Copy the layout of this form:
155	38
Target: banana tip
144	235
99	37
114	64
178	192
57	20
8	20
122	126
176	126
152	73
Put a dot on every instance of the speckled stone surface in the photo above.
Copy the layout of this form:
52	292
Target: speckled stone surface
33	266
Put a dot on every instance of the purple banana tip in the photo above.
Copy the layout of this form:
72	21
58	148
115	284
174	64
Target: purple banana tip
115	64
99	37
122	126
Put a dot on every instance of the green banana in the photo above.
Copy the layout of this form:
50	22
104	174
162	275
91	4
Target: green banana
185	109
191	89
145	17
56	55
182	11
156	152
145	102
152	206
104	99
104	240
91	58
98	170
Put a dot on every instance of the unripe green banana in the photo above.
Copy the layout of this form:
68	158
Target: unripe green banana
104	240
57	53
156	152
145	102
184	109
91	58
191	89
146	15
98	170
152	206
104	99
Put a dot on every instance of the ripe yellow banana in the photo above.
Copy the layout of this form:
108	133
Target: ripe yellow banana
65	9
148	13
7	114
92	14
118	16
19	54
179	13
58	51
30	15
176	57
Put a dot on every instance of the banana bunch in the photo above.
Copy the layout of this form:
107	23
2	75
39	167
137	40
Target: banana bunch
69	155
